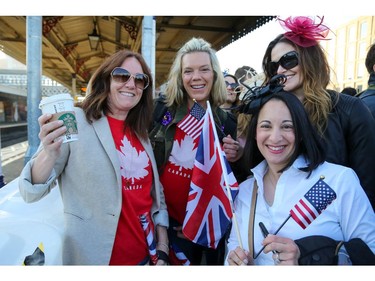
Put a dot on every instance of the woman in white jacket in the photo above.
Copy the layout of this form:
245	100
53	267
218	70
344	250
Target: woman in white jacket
297	193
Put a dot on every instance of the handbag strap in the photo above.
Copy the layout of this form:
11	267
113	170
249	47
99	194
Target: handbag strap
251	219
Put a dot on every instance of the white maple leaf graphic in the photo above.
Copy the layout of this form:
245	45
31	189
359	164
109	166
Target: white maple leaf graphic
132	164
183	155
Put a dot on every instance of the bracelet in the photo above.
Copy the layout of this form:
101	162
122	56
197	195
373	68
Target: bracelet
162	256
163	244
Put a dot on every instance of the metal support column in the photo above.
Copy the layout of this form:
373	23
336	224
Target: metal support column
34	81
2	182
74	86
148	44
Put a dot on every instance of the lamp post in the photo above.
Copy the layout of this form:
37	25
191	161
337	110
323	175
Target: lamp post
94	39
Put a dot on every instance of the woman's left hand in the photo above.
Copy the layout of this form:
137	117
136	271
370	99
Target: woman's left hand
232	149
239	256
286	250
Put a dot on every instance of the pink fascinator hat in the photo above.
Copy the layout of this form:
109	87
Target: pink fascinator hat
303	31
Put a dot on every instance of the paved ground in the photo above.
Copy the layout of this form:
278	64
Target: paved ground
13	160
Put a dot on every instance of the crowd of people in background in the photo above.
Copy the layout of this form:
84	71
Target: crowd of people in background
287	138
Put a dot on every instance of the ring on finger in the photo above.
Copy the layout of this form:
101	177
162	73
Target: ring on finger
277	258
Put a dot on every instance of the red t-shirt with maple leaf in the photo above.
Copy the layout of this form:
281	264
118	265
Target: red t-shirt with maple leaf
176	177
130	246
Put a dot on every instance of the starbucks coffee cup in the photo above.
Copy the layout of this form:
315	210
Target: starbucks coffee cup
62	108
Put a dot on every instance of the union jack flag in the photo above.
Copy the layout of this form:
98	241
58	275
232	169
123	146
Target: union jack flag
148	230
313	203
208	210
192	123
177	257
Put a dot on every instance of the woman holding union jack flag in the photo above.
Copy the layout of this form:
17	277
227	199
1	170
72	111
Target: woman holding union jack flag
194	79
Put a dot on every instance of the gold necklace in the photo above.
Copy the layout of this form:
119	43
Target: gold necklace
271	180
269	192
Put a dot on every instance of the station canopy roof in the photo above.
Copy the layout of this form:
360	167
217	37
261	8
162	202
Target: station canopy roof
66	49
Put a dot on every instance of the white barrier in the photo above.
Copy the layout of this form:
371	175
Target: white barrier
23	226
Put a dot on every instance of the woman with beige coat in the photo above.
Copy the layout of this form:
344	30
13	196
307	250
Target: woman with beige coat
108	178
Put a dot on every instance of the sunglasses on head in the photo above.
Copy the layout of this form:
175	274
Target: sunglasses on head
287	61
121	75
234	86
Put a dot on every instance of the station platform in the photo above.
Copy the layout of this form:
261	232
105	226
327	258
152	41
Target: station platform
13	160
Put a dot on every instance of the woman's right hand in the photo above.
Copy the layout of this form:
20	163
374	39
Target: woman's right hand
46	159
49	131
239	257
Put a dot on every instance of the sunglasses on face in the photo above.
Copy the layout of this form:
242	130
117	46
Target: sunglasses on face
287	61
121	75
233	86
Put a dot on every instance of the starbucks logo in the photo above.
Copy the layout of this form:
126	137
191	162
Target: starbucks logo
70	122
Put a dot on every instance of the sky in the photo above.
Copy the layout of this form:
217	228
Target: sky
249	50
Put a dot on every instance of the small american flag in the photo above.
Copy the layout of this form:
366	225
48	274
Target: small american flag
313	203
148	230
193	122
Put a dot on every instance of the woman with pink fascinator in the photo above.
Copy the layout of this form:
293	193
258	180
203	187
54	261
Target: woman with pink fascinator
285	215
342	121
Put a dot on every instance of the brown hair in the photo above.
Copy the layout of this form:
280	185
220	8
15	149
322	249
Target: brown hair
96	101
316	76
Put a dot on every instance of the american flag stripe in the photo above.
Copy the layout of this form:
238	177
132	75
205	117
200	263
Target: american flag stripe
300	217
187	123
309	209
197	132
192	123
192	126
313	203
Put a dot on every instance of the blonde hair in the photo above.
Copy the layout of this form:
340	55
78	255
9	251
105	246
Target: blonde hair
243	121
175	92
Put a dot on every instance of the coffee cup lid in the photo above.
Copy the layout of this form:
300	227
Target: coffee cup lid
54	98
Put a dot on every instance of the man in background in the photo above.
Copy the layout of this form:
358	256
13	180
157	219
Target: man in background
245	73
349	91
368	96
